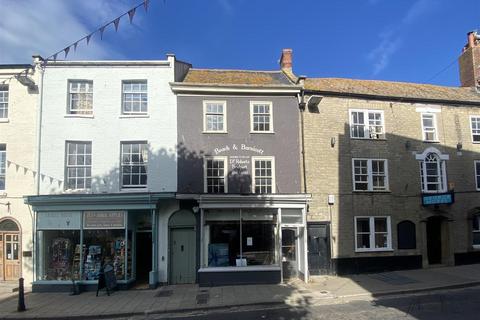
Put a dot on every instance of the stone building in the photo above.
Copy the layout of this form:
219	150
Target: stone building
394	171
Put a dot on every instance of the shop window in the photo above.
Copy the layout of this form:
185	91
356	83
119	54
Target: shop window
80	97
59	255
263	174
79	165
215	116
134	97
240	238
429	127
406	235
475	126
215	174
476	230
3	165
370	174
261	117
372	234
367	124
3	101
134	162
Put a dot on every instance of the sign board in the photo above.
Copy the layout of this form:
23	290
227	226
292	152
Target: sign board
69	220
438	198
104	220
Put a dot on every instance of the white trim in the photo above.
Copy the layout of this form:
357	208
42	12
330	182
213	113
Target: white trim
423	155
224	103
431	109
225	171
471	128
270	104
370	175
443	171
272	159
372	234
366	124
435	127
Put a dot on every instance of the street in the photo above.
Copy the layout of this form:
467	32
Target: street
456	304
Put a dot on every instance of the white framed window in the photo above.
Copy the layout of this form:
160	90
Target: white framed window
3	101
134	97
429	127
134	161
476	231
370	174
261	116
373	233
367	124
215	174
433	174
215	116
78	165
263	176
477	174
3	166
80	97
475	127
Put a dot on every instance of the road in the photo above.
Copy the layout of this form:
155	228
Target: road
456	304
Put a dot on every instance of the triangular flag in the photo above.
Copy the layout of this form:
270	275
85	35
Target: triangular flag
75	46
34	173
17	167
101	32
145	5
25	170
59	183
131	13
66	50
55	57
51	180
43	176
116	22
88	38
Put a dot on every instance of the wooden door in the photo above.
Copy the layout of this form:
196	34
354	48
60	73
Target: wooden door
2	277
11	253
182	255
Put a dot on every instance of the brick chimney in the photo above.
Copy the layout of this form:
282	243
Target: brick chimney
469	61
286	59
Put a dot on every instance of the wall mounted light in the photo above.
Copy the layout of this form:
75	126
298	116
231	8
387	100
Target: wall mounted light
408	145
332	142
459	146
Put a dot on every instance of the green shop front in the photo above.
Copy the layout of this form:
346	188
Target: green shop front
75	235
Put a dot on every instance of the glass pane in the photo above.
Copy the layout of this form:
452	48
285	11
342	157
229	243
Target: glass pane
363	225
363	241
258	238
381	240
380	225
222	228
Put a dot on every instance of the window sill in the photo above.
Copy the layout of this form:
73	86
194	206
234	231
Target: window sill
476	246
262	132
431	141
4	120
129	116
374	250
369	139
240	269
133	189
372	191
215	132
89	116
3	193
80	191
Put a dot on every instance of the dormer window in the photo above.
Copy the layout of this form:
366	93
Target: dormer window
367	124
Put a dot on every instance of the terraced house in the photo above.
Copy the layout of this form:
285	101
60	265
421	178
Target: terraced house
394	171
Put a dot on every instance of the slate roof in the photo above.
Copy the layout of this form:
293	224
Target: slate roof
391	89
237	77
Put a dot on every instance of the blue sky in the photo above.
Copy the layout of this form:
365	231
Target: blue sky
400	40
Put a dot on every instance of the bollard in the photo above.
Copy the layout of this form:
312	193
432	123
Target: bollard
21	296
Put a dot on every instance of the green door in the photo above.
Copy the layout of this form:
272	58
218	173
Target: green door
182	255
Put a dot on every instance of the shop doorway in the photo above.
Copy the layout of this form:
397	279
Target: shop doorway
182	239
318	249
143	259
434	240
289	254
10	244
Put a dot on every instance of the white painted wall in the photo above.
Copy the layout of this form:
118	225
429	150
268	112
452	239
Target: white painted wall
107	128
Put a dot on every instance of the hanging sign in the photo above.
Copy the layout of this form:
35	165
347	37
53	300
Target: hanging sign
61	220
104	220
438	198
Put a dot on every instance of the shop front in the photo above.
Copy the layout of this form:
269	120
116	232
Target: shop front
74	241
248	239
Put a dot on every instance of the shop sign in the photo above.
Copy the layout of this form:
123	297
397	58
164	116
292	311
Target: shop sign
438	198
237	147
58	220
239	164
104	220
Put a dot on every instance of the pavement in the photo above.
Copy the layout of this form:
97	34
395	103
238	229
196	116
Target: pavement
322	290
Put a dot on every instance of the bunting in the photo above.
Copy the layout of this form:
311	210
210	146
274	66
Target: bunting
26	170
116	22
131	13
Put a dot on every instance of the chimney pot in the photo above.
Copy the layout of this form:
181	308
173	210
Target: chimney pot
286	59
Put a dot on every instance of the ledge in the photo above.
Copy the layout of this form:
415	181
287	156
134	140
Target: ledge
87	116
130	116
4	120
240	269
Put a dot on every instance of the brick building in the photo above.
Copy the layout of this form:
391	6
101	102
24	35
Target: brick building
394	171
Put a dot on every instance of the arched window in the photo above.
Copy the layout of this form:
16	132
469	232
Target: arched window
8	225
432	171
406	235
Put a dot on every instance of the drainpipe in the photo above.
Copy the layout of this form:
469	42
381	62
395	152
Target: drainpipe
301	106
39	65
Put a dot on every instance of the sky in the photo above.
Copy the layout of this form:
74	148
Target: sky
397	40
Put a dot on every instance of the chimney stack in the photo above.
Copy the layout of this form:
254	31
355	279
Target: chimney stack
286	59
469	61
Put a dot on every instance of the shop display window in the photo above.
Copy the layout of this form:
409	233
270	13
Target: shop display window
59	257
101	247
237	238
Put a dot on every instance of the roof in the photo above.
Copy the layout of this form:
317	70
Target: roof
237	77
391	89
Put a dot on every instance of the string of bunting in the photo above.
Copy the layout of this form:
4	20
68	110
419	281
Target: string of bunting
115	22
34	172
